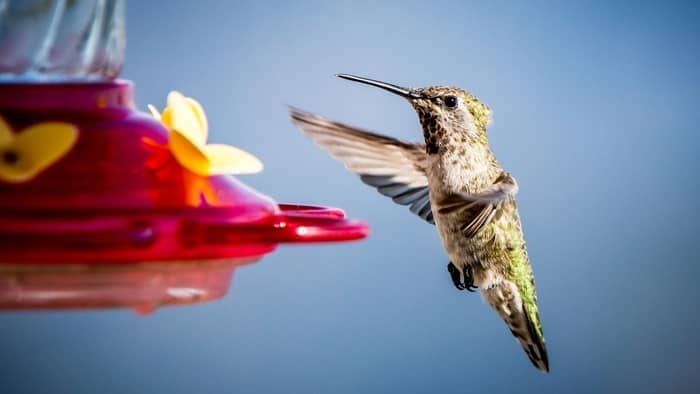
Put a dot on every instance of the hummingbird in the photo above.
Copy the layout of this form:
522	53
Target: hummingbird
454	182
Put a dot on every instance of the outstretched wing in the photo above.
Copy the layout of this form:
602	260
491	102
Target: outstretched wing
395	168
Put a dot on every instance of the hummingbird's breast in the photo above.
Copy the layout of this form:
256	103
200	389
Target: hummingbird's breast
454	172
461	169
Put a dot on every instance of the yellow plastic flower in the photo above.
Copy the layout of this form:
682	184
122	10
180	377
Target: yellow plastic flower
187	122
25	154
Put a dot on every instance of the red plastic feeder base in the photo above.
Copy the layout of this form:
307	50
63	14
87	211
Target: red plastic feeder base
120	196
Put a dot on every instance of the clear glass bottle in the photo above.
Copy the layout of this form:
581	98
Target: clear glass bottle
61	40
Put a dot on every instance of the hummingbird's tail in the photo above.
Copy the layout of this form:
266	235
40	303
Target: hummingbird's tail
505	299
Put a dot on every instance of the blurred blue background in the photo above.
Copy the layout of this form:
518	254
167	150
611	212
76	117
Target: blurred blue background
595	113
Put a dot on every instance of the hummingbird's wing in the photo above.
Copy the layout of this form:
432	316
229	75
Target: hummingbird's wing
395	168
478	209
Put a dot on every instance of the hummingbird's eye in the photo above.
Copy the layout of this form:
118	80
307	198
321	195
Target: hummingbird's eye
450	101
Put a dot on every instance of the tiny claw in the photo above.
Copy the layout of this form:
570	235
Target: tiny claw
469	279
462	280
455	275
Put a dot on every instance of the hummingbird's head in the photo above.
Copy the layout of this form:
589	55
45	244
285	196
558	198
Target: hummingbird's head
449	116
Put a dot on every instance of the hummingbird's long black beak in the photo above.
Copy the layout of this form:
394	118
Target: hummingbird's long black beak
403	92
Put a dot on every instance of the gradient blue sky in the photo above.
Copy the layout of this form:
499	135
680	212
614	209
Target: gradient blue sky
595	113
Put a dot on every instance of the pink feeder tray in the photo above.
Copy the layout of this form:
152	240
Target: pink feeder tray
119	209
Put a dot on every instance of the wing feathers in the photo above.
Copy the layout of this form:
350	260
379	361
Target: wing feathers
395	168
478	209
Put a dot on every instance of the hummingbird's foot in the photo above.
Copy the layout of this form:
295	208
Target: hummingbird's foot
469	279
462	281
455	275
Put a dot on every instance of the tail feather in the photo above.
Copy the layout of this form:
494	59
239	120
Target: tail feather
505	299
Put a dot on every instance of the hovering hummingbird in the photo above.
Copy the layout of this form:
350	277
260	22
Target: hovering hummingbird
454	182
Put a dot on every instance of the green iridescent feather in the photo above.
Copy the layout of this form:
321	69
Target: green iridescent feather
520	272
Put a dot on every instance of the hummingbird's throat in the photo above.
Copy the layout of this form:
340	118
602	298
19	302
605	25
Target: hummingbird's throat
433	132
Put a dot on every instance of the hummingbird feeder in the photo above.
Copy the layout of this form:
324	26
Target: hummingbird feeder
103	205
